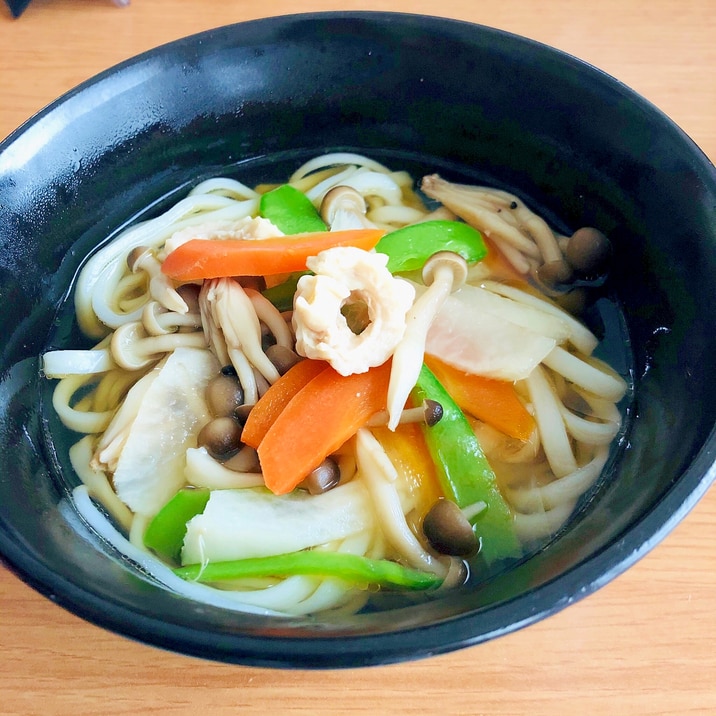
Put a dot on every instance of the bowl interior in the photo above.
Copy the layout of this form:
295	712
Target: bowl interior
420	93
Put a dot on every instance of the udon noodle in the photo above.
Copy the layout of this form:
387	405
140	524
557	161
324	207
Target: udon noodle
138	398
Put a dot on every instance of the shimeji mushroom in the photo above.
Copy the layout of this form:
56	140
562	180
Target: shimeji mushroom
282	357
234	333
221	437
443	273
588	251
472	205
430	413
322	478
133	348
524	238
344	208
448	530
161	288
224	395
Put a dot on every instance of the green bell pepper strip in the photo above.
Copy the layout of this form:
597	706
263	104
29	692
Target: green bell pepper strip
348	567
281	295
464	473
165	533
410	247
290	210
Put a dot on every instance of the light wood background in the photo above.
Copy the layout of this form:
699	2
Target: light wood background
644	644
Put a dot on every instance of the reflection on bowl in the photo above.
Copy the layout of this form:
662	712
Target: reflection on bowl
255	100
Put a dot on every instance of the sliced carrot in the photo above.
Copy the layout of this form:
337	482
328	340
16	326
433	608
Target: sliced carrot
495	402
213	258
277	397
317	421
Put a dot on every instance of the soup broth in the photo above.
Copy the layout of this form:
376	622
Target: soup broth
253	532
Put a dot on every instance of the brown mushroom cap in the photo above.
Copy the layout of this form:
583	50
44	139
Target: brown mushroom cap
246	460
241	413
588	250
223	395
448	530
282	357
221	437
323	478
432	412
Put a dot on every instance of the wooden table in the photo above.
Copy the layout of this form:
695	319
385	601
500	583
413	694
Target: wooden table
644	644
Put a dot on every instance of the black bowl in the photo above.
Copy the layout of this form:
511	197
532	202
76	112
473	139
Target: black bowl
418	92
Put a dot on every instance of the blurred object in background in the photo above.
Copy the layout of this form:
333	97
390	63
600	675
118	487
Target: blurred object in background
17	7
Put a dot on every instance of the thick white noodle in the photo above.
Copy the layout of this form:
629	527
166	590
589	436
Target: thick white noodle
99	277
317	192
332	592
538	525
97	483
60	364
336	159
553	434
391	215
81	421
224	186
591	432
565	490
152	566
202	470
599	380
297	595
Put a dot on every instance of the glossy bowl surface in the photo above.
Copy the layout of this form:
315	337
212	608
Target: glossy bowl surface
417	92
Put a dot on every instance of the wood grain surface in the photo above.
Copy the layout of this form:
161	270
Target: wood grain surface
643	644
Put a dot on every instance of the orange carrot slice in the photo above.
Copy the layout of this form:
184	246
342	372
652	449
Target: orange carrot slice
495	402
277	397
317	421
213	258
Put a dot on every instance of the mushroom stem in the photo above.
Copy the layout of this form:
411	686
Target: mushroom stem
344	208
473	510
271	317
466	202
234	331
524	237
443	273
430	412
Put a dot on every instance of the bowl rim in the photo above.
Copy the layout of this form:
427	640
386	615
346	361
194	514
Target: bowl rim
415	642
